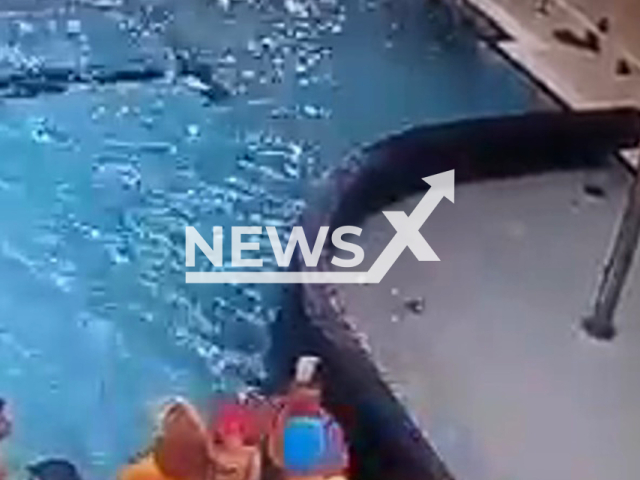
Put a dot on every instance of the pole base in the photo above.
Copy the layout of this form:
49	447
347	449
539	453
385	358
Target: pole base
599	329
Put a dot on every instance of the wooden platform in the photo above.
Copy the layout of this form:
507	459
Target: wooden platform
582	79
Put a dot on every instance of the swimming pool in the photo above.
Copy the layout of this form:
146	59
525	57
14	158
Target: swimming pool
98	183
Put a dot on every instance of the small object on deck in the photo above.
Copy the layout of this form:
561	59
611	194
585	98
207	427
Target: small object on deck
604	25
414	305
592	41
53	469
595	191
589	42
623	68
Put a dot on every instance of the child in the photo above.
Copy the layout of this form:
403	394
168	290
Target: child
306	442
235	447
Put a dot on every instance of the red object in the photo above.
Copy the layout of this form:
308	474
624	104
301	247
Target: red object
304	406
233	418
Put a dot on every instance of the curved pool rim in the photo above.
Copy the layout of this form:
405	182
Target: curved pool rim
384	437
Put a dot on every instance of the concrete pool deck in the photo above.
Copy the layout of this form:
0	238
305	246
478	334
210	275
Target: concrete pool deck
495	369
582	79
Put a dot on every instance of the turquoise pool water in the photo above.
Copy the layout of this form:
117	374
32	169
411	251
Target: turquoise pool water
98	183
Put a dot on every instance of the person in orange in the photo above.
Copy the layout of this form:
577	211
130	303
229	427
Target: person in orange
5	431
185	450
181	450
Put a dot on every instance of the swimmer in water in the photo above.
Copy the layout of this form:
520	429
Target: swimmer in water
5	431
53	469
5	423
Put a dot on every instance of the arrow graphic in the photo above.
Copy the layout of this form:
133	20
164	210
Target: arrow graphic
408	228
407	236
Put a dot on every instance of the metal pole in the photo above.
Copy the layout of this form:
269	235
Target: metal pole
600	323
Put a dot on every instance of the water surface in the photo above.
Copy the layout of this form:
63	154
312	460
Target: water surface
98	183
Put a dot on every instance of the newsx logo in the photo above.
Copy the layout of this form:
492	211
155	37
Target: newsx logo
407	236
283	257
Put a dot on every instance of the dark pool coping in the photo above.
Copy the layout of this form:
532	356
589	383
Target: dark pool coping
387	442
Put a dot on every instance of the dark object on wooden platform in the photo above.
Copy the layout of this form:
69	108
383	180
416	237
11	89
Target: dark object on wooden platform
623	68
589	41
604	25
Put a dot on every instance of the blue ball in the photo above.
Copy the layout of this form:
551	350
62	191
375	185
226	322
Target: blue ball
304	444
